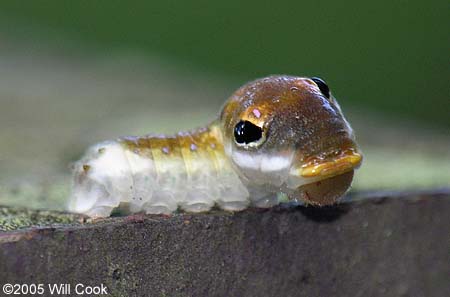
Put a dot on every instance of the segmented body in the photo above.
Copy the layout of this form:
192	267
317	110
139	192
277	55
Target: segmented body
158	174
280	134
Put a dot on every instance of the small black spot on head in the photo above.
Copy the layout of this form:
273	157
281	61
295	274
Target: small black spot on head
322	86
246	132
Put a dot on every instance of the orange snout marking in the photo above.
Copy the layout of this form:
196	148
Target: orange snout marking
334	167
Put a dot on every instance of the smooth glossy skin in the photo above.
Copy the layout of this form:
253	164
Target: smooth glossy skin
305	136
276	134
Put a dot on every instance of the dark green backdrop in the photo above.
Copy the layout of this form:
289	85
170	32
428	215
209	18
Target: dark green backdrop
390	56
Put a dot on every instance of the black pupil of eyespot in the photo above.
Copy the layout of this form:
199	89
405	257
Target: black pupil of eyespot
322	86
246	132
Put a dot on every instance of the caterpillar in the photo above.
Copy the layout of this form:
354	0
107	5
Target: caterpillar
279	134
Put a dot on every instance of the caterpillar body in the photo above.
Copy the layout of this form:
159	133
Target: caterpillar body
279	134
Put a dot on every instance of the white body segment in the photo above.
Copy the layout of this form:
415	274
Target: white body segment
110	174
152	180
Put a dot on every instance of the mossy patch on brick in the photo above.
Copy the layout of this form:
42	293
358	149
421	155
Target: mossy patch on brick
20	218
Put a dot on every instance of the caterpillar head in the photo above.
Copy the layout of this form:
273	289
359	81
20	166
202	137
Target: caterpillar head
289	133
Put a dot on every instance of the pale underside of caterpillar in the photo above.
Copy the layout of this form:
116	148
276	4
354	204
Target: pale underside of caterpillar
280	134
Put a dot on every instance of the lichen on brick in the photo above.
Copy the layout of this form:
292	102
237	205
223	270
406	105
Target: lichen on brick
20	218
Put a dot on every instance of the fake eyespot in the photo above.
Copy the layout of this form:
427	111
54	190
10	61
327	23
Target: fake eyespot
276	134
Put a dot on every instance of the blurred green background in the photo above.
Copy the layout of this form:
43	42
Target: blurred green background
76	72
391	56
